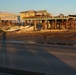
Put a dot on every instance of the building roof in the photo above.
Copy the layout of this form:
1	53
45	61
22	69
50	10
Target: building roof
9	13
28	11
40	11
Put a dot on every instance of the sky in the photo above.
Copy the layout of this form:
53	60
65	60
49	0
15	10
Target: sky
55	7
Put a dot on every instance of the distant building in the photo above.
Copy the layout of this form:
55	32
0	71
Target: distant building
47	20
30	13
6	16
33	13
72	16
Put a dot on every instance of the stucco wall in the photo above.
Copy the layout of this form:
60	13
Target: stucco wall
7	16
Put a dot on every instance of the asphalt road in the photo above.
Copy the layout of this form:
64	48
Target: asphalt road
48	59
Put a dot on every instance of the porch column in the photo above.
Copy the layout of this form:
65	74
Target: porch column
67	24
44	24
55	25
62	25
72	25
48	24
35	22
8	23
62	22
25	23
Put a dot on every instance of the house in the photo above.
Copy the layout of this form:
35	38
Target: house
34	14
7	16
30	13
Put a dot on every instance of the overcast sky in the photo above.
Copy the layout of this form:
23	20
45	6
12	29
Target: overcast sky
53	6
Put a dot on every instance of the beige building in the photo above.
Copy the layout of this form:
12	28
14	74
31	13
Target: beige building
4	16
47	20
33	13
30	13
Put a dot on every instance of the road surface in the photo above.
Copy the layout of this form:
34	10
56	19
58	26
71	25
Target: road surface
48	59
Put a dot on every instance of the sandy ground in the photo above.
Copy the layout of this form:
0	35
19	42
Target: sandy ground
27	33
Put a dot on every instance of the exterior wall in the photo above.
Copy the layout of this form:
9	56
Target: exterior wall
26	14
22	15
33	13
30	14
8	16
